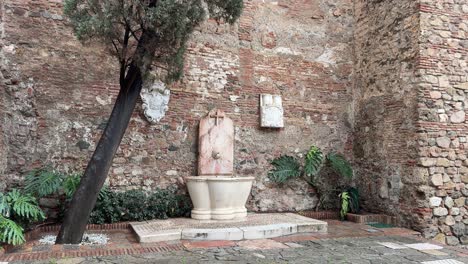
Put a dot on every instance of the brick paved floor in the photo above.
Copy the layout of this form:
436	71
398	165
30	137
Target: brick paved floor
345	242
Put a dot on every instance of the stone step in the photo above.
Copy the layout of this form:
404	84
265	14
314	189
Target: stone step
254	226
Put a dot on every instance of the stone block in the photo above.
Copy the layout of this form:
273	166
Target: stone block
449	220
443	142
437	180
152	237
452	241
448	202
213	234
268	231
458	229
435	201
459	202
440	211
458	117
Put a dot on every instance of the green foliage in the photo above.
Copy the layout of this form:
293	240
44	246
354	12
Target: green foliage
331	187
163	204
340	165
16	211
42	182
4	205
107	209
10	232
136	205
345	197
24	206
133	205
168	24
349	202
313	162
70	184
286	167
353	200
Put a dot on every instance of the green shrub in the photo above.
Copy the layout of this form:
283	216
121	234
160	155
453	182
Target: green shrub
136	205
106	209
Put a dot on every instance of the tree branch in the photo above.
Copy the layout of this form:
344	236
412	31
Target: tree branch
123	58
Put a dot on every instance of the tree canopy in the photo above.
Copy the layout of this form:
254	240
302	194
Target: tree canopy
169	23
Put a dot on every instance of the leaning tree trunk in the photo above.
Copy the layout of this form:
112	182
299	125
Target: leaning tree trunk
84	199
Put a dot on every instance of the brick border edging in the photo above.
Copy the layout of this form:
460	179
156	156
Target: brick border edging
33	234
321	215
356	218
89	253
367	218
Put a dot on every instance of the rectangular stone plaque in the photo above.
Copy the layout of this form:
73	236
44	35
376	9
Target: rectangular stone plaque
271	111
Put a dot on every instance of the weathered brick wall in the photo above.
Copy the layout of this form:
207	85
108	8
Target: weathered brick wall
386	99
63	92
443	127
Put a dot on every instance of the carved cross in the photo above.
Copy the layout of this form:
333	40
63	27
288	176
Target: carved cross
219	114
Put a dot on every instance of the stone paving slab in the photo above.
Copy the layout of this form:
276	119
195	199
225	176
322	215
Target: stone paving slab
443	261
255	226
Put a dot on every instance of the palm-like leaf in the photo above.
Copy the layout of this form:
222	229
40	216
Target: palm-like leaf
286	167
344	204
353	200
25	205
313	161
4	206
43	182
340	165
70	184
10	232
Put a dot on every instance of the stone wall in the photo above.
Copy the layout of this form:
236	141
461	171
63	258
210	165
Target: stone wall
443	127
410	113
59	93
386	99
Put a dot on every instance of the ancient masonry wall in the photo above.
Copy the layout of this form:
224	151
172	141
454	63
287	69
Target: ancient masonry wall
443	126
410	110
57	94
386	99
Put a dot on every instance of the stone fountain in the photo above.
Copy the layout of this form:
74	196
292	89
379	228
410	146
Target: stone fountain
217	194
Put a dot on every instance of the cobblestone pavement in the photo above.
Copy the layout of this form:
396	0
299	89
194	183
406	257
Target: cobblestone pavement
340	250
345	242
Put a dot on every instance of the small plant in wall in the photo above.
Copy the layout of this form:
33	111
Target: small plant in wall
287	167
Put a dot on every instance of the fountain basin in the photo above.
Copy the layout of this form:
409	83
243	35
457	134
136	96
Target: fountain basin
219	197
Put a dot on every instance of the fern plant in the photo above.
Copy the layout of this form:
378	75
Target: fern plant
43	182
285	168
340	165
17	209
11	232
24	206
